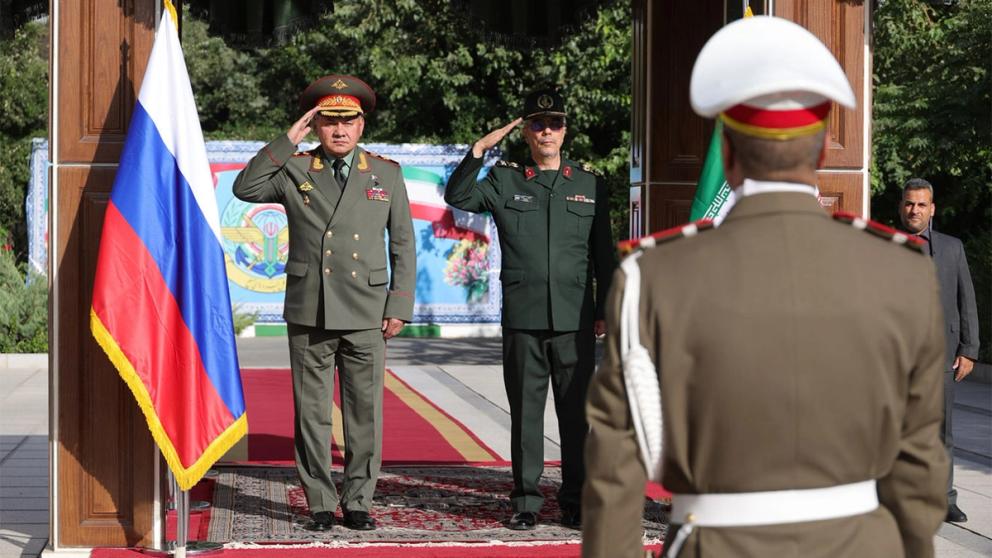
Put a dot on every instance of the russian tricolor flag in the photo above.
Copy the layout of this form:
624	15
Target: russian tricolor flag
161	308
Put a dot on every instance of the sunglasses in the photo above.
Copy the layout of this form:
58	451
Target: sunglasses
538	125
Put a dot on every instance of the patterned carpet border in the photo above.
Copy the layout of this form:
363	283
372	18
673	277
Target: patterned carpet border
413	505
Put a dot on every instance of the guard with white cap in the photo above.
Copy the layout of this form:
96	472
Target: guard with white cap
800	391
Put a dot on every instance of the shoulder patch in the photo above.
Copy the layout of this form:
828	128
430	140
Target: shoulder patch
381	158
586	167
667	235
882	231
508	164
303	154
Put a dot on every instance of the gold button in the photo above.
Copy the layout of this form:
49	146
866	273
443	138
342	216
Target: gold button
328	253
330	234
354	255
356	236
327	271
354	274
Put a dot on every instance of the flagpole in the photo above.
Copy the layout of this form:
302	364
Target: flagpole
182	524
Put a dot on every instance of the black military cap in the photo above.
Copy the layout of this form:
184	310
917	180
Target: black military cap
543	102
338	95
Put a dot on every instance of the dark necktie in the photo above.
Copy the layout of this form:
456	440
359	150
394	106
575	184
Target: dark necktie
337	165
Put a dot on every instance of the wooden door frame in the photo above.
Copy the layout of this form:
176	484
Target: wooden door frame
91	155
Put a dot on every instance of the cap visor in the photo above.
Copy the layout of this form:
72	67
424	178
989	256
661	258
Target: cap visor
544	113
340	113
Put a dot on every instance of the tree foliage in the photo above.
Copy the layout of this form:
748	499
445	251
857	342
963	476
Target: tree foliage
933	119
23	309
933	107
23	115
436	77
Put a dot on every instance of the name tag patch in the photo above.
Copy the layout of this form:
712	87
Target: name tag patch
523	198
377	194
580	198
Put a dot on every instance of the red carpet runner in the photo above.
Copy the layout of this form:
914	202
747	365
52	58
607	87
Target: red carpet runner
569	550
415	430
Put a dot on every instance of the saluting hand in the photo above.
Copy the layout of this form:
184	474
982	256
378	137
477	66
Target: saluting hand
301	127
492	138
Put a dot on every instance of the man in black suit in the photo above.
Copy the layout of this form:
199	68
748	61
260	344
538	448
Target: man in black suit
957	295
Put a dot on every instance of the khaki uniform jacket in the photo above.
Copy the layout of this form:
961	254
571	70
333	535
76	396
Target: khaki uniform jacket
793	352
554	236
337	249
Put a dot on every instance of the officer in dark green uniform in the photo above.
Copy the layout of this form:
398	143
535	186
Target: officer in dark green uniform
342	302
554	232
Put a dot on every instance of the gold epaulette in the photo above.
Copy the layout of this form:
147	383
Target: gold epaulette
381	158
683	231
885	232
508	164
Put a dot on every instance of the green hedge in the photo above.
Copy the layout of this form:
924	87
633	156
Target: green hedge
23	308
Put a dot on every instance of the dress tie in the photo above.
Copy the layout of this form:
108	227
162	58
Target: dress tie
337	165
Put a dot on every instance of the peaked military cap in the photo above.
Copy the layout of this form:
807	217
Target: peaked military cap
338	95
768	77
543	102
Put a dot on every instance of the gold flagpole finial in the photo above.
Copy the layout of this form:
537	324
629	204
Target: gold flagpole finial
747	9
172	12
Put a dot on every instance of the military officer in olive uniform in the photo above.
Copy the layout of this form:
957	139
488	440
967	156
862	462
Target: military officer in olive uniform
342	299
552	215
799	358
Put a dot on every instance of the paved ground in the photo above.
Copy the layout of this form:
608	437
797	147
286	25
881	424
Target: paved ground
465	377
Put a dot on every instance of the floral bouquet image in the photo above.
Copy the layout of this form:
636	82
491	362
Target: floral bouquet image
468	267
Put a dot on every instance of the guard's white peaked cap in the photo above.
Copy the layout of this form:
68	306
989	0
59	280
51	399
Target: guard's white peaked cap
767	62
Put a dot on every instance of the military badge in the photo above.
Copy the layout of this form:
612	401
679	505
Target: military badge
529	172
376	193
305	187
580	198
316	164
567	171
545	101
523	198
339	84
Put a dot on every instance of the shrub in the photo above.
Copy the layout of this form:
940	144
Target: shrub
23	309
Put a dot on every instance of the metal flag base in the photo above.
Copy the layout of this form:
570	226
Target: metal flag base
193	548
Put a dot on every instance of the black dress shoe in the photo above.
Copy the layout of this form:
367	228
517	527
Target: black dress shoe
571	518
955	515
320	521
522	521
358	520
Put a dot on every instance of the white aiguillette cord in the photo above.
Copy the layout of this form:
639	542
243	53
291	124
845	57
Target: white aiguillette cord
639	373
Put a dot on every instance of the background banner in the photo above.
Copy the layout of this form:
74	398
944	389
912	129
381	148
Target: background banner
458	255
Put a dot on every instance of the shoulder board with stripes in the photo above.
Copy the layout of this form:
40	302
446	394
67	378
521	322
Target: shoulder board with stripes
303	154
882	231
507	164
654	239
381	158
590	170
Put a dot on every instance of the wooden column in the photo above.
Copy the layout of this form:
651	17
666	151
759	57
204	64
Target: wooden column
669	141
104	479
671	146
841	26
